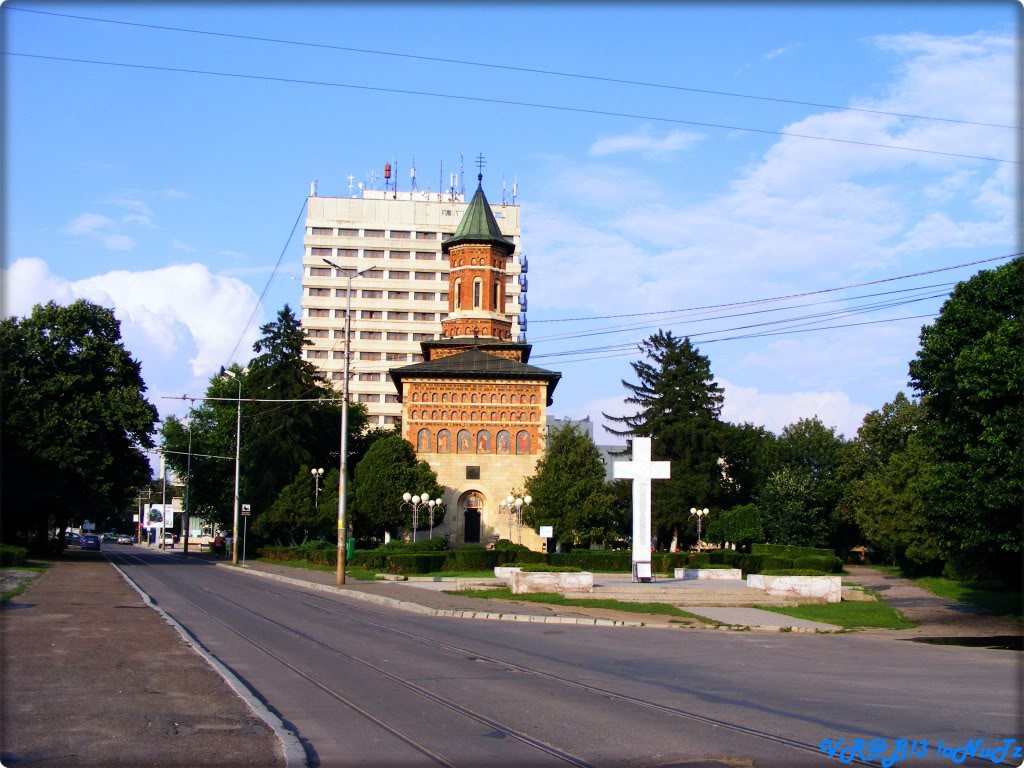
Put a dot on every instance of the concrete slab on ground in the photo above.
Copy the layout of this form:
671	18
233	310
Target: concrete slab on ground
754	617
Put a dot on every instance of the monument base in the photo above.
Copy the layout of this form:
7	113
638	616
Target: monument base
642	572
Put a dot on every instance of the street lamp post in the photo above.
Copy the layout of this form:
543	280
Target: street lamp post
238	448
700	513
508	507
522	505
434	505
317	474
339	579
188	483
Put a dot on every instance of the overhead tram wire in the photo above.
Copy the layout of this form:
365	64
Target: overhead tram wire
785	296
511	68
511	103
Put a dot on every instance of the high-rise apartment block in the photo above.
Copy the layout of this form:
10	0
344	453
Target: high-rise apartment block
402	298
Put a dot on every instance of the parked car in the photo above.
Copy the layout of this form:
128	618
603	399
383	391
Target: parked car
124	538
72	538
168	540
109	536
90	541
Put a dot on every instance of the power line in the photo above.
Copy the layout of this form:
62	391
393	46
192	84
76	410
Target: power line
509	102
786	296
511	68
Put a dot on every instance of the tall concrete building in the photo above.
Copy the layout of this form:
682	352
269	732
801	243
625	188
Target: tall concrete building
402	299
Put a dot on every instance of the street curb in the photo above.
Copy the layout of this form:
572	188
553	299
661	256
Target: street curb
422	610
294	752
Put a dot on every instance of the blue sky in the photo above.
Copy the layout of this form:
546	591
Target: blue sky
170	196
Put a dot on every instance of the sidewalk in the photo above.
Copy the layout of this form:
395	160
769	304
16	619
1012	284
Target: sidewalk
935	616
433	601
94	676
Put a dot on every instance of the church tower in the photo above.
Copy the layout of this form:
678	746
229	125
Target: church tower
474	409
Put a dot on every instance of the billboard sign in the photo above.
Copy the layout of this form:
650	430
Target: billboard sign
159	516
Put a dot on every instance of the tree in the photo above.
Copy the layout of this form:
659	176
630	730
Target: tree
815	452
969	373
299	514
75	420
740	525
569	490
388	470
791	510
749	457
679	405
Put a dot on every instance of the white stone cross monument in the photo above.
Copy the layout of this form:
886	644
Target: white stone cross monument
641	470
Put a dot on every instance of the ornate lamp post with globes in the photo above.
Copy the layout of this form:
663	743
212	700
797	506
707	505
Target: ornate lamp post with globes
317	474
700	513
421	503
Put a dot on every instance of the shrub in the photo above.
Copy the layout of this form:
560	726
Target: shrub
750	563
545	568
714	567
469	558
419	562
12	555
517	556
601	560
436	544
828	564
504	545
786	550
772	562
794	572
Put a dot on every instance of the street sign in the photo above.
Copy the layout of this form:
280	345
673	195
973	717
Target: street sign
547	531
135	518
245	509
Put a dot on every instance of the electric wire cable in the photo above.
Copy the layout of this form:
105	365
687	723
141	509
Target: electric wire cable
508	102
512	68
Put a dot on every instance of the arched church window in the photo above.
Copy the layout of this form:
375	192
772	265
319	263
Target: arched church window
423	441
463	397
433	397
477	289
504	400
433	414
444	441
514	399
483	441
458	294
464	442
533	399
415	396
473	416
495	305
523	442
444	398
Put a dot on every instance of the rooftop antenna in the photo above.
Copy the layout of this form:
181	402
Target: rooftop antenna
387	177
440	182
350	178
462	178
454	179
312	188
515	190
412	173
503	199
373	178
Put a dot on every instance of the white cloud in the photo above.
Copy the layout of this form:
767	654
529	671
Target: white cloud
179	245
137	218
776	410
776	52
181	309
172	194
644	141
117	242
88	223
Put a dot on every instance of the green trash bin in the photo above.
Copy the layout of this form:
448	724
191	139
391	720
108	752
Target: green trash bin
350	550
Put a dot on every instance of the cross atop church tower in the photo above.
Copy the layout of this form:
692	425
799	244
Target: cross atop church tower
481	161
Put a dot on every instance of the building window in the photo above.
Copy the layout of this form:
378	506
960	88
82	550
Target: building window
444	257
320	251
338	356
396	275
443	316
370	314
319	291
317	333
337	375
369	254
374	274
342	292
369	377
446	236
509	279
428	316
398	255
423	337
319	271
396	336
426	275
369	355
400	235
323	231
426	236
373	294
477	288
396	357
398	295
458	294
425	256
494	304
348	232
371	335
444	296
319	312
389	420
397	315
373	233
363	398
390	398
472	473
316	354
416	357
347	253
423	296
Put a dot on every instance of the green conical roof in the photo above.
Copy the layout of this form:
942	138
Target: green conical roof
478	225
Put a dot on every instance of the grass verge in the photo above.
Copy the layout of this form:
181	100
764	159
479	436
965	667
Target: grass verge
360	574
657	609
19	577
983	595
849	615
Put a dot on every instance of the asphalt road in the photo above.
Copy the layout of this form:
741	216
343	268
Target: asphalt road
367	686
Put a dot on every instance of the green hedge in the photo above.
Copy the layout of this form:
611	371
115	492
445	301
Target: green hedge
773	562
417	562
12	555
600	560
436	544
828	564
544	568
472	559
786	550
794	572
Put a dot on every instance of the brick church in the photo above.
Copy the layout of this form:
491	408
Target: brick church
474	409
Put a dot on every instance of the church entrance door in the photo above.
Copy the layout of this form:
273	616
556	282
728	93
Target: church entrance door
472	527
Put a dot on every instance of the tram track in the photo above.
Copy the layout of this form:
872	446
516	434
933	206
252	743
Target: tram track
436	757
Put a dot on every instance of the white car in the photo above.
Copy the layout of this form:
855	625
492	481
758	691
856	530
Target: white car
168	541
124	538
